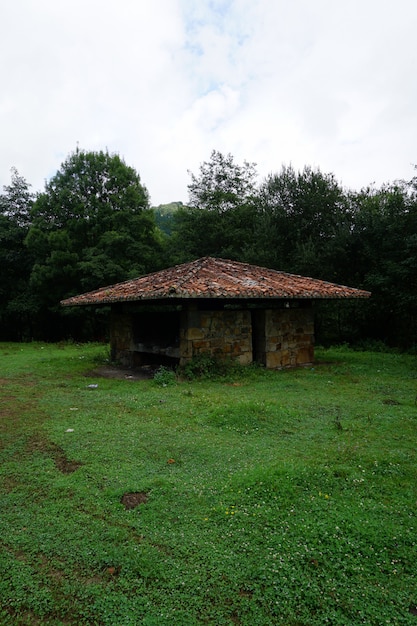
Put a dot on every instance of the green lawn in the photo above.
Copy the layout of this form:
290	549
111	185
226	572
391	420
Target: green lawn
269	497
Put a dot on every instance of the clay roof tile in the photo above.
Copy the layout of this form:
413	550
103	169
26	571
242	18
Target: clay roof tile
216	278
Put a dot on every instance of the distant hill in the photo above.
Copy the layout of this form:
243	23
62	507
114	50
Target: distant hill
164	214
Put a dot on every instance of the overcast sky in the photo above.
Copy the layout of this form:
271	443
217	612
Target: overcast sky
326	83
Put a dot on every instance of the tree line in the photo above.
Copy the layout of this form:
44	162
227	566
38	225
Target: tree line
93	225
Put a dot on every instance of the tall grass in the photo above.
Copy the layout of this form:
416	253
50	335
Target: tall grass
266	497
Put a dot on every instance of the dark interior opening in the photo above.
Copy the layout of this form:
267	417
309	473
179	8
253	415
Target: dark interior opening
156	338
258	336
141	359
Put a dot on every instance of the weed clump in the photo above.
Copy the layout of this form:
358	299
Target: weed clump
164	376
209	367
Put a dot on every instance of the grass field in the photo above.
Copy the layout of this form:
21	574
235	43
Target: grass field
263	498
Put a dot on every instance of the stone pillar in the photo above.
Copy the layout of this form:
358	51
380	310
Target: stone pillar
289	337
121	336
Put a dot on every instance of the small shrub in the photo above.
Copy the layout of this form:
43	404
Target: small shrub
164	376
206	366
201	366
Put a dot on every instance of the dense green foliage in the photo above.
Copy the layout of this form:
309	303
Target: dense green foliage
268	498
16	301
219	220
92	226
305	223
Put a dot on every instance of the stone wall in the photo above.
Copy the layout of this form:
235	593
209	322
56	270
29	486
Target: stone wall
222	333
277	338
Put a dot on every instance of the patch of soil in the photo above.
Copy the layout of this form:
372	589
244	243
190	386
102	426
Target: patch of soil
62	463
132	500
122	373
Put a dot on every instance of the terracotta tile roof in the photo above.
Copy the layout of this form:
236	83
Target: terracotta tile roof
216	278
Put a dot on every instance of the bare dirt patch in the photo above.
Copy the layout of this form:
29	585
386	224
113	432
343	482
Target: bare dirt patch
391	402
132	500
51	449
122	373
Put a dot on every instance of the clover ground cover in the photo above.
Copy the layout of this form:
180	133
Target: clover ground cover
285	497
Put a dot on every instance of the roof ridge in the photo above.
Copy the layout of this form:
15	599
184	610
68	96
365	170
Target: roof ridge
192	269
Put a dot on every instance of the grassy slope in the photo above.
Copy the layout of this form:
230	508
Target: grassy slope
273	497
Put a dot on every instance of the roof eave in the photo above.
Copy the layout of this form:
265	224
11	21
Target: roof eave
171	297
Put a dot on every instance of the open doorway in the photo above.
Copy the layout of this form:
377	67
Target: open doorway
156	338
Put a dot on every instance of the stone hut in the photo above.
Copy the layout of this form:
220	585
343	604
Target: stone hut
216	306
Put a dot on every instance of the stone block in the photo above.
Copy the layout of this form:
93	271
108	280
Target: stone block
286	358
304	356
244	359
194	333
304	340
273	360
201	345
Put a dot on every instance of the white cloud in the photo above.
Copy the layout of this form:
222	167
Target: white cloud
163	83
